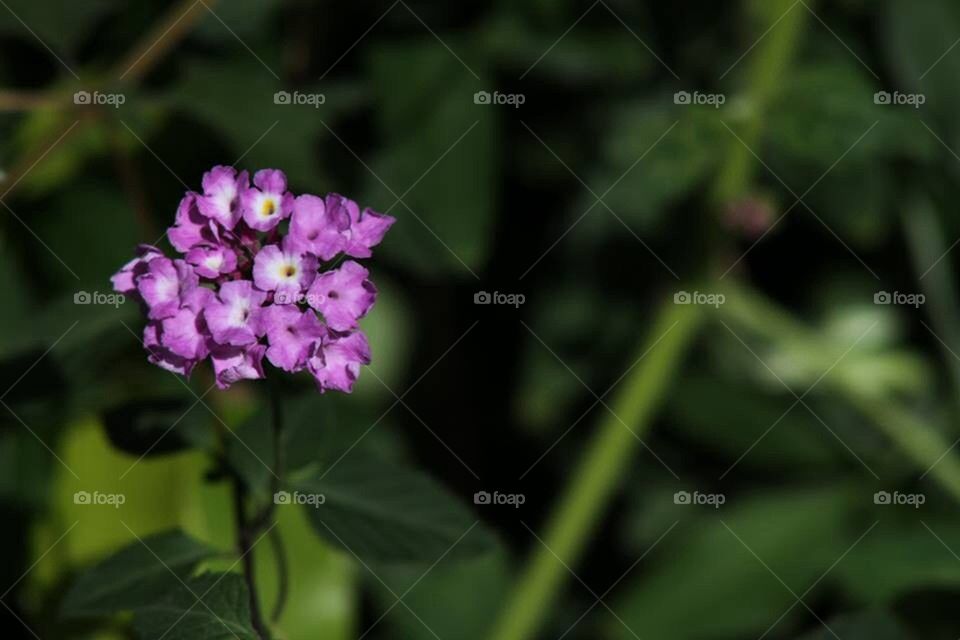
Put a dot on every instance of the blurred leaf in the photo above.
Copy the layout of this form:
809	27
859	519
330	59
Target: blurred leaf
209	607
158	426
732	417
651	164
244	19
61	28
825	109
386	513
454	600
583	56
705	568
265	133
564	318
441	146
919	39
72	154
856	203
875	625
899	557
137	575
924	231
92	230
13	287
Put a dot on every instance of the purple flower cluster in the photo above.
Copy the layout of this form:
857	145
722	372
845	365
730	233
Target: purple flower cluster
249	287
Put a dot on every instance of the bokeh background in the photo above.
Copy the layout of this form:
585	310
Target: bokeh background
728	398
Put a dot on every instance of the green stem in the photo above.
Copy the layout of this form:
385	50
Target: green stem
283	574
250	527
762	82
600	470
245	540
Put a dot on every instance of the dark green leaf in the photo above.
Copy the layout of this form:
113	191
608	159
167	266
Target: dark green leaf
707	569
137	575
827	112
874	625
86	217
649	165
246	19
920	38
733	417
901	556
208	607
157	426
266	133
455	600
60	28
385	513
426	110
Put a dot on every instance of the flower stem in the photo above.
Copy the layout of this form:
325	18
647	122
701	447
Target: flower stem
245	541
600	470
249	528
283	578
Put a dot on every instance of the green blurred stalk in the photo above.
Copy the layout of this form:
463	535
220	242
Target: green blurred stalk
770	62
600	470
605	460
923	444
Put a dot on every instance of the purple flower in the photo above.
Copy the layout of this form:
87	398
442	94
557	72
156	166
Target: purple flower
232	364
268	202
284	271
125	280
212	262
343	295
292	335
234	318
161	356
365	229
185	333
317	230
222	186
163	284
336	363
191	228
245	290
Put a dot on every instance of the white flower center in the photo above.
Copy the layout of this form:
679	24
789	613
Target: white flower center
239	312
268	206
213	261
288	270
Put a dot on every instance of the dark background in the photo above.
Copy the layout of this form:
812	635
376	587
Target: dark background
494	199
